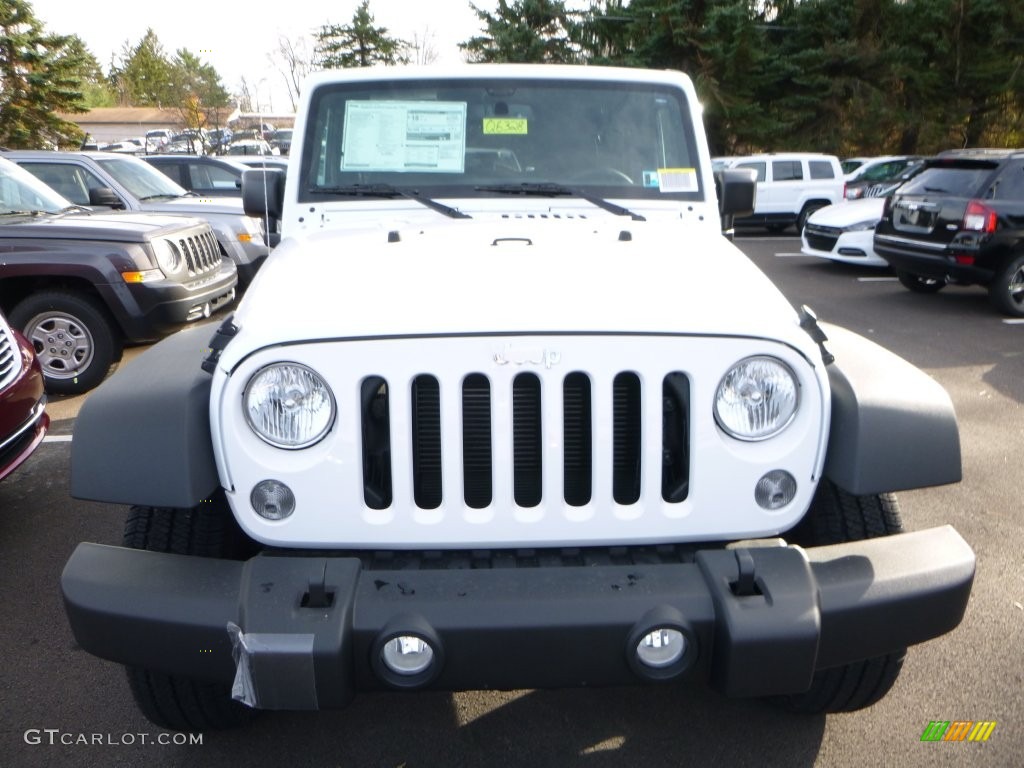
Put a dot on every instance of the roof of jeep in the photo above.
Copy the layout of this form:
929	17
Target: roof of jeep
498	71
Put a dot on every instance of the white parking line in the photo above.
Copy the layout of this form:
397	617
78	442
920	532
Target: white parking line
57	439
788	255
877	279
1017	321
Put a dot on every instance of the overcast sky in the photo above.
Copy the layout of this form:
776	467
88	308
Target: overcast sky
236	38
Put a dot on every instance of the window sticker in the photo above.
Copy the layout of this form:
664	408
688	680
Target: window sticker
425	136
677	179
514	126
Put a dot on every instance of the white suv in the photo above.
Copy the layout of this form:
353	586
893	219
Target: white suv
790	187
504	409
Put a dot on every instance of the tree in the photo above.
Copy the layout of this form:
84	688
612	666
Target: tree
358	44
200	98
40	75
144	76
294	62
541	31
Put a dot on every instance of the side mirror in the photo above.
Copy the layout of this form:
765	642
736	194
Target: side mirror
263	192
737	190
105	197
263	197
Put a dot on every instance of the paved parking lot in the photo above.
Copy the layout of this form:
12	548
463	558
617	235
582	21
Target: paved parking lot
64	707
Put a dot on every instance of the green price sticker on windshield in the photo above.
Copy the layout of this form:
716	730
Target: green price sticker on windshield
505	125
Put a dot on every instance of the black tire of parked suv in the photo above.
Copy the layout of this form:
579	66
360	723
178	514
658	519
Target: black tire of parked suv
74	336
805	214
1006	291
918	283
209	530
836	517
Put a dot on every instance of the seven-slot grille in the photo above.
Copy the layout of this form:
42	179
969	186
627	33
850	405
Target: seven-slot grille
200	251
10	358
524	424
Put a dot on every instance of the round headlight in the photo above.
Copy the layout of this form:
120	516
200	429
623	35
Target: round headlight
756	399
168	257
289	405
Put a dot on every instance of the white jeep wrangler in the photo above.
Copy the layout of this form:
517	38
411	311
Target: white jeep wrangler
504	410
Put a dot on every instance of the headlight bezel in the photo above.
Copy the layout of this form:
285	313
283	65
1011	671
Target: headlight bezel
164	249
780	424
270	439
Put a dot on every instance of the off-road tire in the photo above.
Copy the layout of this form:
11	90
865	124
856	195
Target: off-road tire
836	517
209	530
75	338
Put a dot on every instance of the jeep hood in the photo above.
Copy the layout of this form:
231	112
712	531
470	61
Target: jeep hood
515	277
105	226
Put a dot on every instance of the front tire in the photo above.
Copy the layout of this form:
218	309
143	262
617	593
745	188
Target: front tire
918	283
74	337
209	530
1007	289
836	517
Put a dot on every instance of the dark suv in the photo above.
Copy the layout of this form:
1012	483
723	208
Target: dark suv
961	220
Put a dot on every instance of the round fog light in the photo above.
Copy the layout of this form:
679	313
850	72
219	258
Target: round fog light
407	655
272	500
775	490
661	648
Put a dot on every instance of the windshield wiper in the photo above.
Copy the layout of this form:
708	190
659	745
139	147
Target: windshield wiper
35	212
389	191
550	189
162	194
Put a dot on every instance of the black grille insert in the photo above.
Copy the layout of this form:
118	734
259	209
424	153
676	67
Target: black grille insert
526	440
675	439
476	441
577	439
626	441
426	442
376	443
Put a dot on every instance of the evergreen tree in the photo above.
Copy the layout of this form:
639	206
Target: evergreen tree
40	75
541	31
359	43
144	76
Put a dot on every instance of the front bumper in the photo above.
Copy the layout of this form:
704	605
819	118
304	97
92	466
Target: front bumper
155	310
307	630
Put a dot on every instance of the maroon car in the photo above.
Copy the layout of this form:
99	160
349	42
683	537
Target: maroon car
23	419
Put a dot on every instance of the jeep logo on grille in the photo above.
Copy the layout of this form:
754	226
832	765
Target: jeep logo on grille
527	356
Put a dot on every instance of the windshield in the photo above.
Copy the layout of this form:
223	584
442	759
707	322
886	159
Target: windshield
141	179
462	137
21	192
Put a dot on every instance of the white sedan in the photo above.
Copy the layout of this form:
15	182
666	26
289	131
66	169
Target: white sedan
844	232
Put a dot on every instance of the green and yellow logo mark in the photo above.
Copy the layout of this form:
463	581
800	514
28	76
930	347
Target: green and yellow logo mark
958	730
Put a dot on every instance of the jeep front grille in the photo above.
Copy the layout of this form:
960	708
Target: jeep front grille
525	429
200	251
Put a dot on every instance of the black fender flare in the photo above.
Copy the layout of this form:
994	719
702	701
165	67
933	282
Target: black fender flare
893	426
143	436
